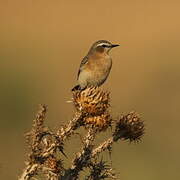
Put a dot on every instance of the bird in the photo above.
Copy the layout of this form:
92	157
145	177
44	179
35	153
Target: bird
95	66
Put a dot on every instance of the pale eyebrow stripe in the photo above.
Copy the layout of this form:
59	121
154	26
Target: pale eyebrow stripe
103	44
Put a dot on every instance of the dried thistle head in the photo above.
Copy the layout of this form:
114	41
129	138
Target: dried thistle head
54	164
101	122
129	127
100	170
92	101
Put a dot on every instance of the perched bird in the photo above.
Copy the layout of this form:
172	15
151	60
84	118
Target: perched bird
95	66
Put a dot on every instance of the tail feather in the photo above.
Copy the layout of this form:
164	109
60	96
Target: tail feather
75	88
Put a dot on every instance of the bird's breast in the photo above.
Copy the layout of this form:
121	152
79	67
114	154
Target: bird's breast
100	65
99	70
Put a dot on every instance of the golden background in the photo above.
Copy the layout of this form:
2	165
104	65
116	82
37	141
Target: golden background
41	45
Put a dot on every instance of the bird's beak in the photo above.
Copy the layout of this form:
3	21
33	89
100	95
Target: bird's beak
114	45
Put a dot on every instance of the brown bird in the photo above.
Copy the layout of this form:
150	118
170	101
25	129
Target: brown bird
95	66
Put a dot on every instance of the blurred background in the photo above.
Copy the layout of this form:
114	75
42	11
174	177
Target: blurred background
41	45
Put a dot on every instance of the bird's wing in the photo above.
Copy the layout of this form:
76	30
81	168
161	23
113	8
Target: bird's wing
83	62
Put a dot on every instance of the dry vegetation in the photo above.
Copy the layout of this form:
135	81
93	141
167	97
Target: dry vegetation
46	147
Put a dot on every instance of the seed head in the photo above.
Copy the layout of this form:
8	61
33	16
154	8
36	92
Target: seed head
91	101
129	127
101	122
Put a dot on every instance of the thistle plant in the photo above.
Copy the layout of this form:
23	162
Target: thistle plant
46	146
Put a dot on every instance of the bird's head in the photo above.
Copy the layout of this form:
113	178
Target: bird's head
102	46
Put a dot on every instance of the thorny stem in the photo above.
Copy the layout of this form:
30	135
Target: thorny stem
82	158
102	147
72	125
35	137
29	172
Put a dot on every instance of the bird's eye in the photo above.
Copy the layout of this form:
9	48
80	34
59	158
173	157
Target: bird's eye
104	45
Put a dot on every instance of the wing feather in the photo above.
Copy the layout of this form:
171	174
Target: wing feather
83	62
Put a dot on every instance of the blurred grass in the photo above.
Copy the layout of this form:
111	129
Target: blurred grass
41	45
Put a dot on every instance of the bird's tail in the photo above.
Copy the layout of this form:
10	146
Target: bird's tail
75	88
